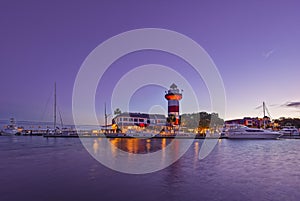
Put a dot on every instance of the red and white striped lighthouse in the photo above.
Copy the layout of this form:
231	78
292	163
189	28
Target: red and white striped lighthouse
173	96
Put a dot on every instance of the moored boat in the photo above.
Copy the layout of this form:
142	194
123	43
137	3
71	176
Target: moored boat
289	131
139	134
238	131
11	128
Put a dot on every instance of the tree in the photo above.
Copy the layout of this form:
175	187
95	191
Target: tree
117	111
171	119
204	120
201	120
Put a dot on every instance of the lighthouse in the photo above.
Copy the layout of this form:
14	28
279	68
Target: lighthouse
173	96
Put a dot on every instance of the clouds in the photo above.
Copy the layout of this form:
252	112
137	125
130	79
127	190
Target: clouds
267	54
294	104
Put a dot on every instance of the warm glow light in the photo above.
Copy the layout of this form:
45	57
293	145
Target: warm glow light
132	145
196	148
114	126
173	96
148	145
163	143
95	146
114	146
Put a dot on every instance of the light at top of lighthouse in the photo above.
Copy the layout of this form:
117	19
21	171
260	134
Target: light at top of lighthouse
173	93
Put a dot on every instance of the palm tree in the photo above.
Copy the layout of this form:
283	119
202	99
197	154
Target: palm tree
117	111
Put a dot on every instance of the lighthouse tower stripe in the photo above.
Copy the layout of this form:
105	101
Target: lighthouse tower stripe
173	102
173	108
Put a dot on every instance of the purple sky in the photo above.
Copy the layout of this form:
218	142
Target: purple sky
255	46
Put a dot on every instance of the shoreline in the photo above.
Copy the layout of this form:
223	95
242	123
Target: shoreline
140	137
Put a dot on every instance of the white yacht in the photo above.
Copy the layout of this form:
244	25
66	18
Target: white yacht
11	128
238	131
289	131
139	134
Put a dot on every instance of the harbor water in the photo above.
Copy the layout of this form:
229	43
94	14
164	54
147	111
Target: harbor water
38	168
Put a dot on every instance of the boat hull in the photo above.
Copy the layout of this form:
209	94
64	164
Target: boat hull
140	135
253	136
289	133
8	132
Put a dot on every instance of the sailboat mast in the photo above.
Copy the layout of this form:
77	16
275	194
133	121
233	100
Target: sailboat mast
60	118
264	111
54	105
105	115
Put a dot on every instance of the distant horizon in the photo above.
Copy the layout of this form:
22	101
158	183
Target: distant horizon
5	121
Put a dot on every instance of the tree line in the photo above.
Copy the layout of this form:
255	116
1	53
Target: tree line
282	121
202	120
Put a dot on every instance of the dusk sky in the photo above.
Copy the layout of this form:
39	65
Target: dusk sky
254	44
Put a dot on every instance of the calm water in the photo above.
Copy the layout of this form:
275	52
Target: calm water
36	168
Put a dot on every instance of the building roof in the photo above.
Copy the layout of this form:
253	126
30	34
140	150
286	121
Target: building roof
173	86
141	115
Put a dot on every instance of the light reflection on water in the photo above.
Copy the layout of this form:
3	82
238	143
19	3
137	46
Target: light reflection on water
136	156
131	145
36	168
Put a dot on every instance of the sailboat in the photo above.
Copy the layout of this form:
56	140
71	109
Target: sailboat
56	131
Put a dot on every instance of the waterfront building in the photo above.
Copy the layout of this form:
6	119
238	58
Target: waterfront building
137	121
254	122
